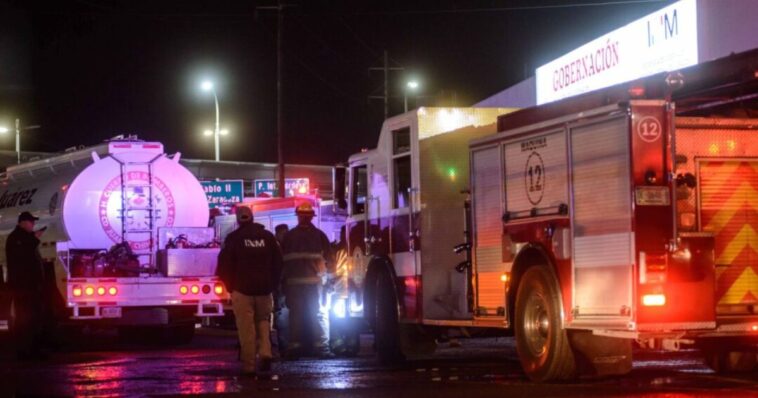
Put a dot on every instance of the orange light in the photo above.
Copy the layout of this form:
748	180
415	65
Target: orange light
101	291
654	300
504	278
755	328
76	291
183	289
194	289
112	291
219	288
89	290
301	190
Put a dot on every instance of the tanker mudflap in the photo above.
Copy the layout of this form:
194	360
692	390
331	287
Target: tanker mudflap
598	356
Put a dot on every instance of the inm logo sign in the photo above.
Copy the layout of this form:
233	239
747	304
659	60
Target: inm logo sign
666	26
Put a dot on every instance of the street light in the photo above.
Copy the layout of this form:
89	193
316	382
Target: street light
4	130
208	86
411	85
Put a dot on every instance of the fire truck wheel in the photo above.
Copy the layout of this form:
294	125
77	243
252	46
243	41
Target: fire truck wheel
386	329
724	361
541	342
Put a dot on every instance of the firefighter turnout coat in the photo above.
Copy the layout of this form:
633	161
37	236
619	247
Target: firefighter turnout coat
307	255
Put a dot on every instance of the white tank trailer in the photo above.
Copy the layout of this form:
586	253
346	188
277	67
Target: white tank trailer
110	211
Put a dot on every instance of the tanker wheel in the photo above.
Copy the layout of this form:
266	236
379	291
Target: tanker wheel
728	361
542	343
386	325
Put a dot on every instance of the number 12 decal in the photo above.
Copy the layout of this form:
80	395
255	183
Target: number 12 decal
534	176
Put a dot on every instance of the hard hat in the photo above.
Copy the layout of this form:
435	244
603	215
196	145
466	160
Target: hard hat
305	209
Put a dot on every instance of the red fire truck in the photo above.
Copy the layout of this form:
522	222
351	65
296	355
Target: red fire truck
623	216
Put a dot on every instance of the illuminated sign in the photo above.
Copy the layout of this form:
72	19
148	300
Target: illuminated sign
292	186
662	41
223	193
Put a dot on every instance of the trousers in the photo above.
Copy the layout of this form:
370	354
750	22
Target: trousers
253	317
307	328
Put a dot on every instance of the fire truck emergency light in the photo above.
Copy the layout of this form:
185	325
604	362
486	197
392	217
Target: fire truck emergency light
654	300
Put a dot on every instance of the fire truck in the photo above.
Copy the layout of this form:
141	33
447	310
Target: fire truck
127	241
621	217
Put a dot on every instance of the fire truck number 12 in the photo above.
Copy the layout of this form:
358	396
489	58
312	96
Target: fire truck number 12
535	176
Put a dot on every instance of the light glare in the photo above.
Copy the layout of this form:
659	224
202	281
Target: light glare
208	132
207	85
412	84
224	132
653	300
4	130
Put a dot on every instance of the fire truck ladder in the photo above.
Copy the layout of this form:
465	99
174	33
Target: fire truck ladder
138	212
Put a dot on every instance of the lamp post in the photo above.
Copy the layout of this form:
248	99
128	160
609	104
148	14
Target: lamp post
411	85
4	130
208	86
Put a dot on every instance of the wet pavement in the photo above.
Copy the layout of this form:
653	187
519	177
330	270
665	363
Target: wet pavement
98	364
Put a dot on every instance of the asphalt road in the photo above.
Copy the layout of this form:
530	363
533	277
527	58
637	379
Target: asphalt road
98	364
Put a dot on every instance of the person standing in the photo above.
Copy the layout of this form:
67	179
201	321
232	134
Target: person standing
26	277
250	264
307	257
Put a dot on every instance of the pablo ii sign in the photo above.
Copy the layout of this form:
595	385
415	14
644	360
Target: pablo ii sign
662	41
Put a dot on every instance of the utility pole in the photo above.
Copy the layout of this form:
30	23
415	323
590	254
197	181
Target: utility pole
279	92
386	69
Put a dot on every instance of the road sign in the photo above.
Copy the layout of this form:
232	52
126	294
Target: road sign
223	193
293	186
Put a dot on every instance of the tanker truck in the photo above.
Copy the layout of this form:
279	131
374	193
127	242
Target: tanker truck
127	238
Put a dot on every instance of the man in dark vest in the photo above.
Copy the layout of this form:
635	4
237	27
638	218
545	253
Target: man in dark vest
26	277
250	264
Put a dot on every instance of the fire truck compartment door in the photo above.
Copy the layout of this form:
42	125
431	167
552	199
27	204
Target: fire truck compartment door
601	219
487	202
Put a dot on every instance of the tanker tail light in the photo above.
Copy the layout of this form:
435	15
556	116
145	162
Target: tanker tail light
218	289
654	300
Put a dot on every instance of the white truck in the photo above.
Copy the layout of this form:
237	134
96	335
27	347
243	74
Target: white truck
117	216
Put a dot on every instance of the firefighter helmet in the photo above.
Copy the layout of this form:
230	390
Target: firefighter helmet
305	209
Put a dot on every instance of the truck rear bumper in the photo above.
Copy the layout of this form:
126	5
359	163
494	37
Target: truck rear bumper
94	311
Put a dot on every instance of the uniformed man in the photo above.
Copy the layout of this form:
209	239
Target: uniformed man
26	277
250	265
307	258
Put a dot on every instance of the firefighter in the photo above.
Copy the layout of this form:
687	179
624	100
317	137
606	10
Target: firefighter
307	254
26	277
250	265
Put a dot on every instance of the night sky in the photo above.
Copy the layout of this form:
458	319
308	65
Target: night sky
89	70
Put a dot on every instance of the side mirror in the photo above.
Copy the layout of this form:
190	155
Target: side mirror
339	182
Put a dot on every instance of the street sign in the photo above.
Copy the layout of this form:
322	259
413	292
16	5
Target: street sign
223	193
293	186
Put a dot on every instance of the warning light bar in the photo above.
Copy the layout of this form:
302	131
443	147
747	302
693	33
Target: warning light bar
654	300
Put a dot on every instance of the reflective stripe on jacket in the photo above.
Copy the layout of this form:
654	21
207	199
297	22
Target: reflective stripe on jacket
307	255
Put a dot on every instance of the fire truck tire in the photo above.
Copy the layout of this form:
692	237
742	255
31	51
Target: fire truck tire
725	361
387	328
542	344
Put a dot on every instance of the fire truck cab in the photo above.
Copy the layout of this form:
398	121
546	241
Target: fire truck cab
623	216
